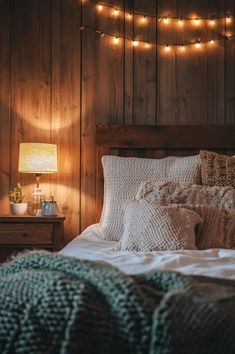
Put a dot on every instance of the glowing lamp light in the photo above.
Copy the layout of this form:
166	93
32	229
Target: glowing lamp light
212	42
99	7
182	48
168	48
116	40
198	44
147	45
129	16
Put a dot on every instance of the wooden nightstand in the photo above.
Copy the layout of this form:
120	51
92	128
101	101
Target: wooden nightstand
18	233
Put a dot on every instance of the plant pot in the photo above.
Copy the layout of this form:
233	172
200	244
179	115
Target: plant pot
18	208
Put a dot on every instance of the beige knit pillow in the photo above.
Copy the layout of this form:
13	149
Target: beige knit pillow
217	229
151	227
217	170
187	193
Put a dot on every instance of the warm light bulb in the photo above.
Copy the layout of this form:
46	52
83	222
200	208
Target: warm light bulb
182	48
168	48
166	20
100	8
198	45
116	12
212	41
147	45
129	16
135	43
197	21
143	20
116	40
212	22
228	19
180	22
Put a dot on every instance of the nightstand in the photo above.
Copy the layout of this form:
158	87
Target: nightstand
18	233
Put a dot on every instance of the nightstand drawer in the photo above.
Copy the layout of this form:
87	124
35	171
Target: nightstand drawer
26	234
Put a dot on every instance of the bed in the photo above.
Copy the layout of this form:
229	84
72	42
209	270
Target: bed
96	297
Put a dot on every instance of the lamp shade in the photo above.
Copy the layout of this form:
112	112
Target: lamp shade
37	158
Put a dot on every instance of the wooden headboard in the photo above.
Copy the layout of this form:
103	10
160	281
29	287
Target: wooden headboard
157	142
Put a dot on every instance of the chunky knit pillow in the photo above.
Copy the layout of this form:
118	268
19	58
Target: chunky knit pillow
217	229
151	227
187	193
123	176
217	170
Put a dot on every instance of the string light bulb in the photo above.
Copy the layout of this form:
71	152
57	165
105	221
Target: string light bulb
228	19
211	22
198	44
143	20
166	20
180	22
197	21
182	48
212	42
100	7
135	43
115	12
129	16
116	40
168	48
147	45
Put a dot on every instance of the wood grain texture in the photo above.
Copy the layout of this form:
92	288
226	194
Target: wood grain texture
4	104
167	137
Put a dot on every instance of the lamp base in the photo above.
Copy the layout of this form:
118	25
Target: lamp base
35	204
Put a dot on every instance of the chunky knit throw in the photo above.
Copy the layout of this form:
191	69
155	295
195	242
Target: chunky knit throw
53	304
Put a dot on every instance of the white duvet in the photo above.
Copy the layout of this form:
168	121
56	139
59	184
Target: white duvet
218	263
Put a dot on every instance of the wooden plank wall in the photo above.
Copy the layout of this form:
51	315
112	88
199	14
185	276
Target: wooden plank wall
57	82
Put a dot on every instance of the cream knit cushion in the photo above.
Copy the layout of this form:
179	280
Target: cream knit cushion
217	229
123	176
171	192
150	227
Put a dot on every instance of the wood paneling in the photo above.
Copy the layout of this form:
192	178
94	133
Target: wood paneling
57	82
4	104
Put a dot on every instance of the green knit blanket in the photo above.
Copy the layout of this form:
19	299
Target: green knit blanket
56	304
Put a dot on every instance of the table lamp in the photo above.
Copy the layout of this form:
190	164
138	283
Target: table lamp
37	158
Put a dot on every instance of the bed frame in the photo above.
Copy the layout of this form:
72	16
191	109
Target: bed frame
156	142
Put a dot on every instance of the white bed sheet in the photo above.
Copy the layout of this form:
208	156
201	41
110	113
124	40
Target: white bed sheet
89	245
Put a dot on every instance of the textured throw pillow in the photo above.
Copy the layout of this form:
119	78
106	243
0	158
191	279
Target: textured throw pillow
123	176
151	227
217	170
217	229
187	193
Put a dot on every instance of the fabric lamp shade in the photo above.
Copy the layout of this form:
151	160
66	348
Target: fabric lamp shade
37	158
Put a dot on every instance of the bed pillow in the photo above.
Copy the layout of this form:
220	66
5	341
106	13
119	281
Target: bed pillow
123	176
217	170
217	229
187	193
151	227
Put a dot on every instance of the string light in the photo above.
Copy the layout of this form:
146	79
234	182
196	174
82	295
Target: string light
100	7
180	22
182	48
198	44
168	48
135	43
129	16
143	20
197	21
166	20
212	42
147	45
211	22
116	40
228	19
115	12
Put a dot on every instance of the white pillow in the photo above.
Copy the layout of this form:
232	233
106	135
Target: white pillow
151	227
123	176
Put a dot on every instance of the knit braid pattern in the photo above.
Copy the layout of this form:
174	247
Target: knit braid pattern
55	304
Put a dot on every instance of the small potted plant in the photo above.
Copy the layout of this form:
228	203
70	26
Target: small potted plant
16	198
